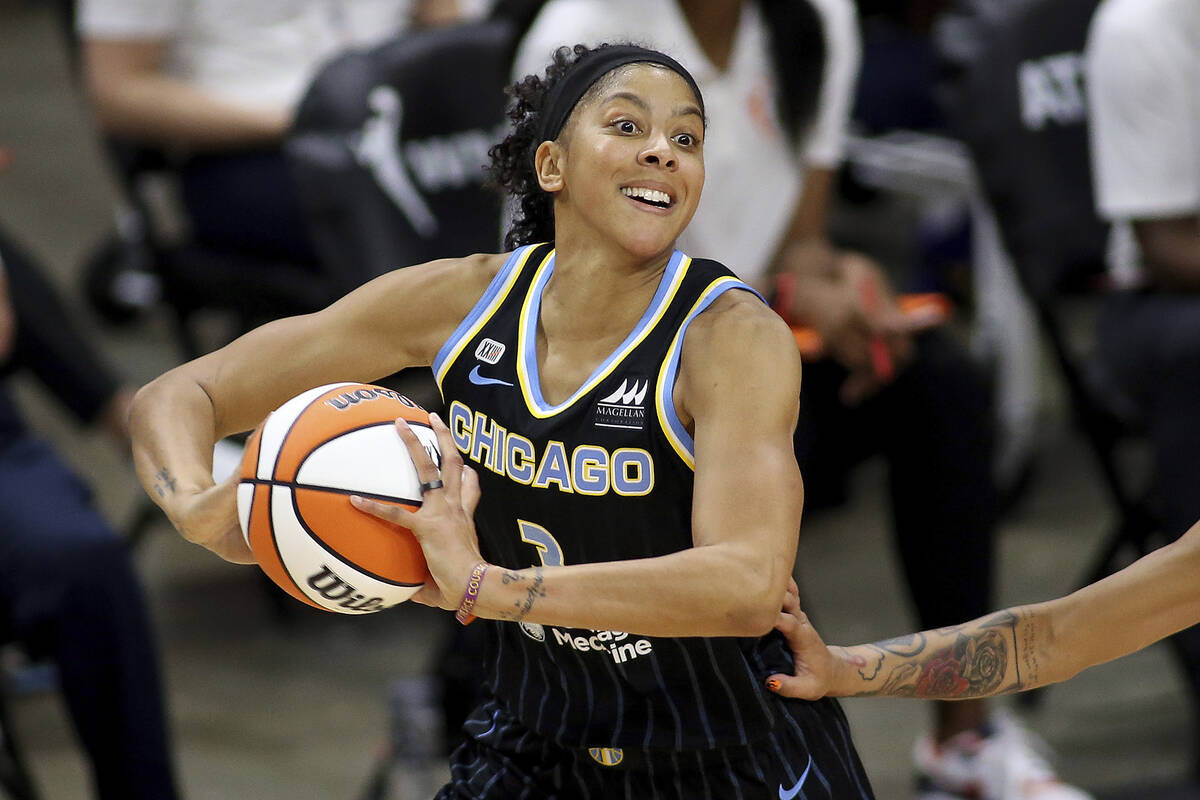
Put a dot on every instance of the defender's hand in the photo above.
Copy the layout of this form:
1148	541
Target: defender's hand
814	663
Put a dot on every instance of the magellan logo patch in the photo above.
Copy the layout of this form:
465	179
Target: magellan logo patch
625	407
489	351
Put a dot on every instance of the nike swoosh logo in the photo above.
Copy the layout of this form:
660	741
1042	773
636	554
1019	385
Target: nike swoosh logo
480	380
788	794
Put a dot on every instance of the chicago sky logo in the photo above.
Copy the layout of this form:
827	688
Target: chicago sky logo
625	407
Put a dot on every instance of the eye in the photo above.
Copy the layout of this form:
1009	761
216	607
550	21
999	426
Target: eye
686	140
626	126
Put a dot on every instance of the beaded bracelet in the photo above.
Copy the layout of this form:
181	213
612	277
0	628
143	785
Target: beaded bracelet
471	594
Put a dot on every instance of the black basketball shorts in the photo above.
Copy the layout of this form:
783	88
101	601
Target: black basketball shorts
808	756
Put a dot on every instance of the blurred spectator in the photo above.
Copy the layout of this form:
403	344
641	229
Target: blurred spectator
778	77
70	592
1143	67
214	84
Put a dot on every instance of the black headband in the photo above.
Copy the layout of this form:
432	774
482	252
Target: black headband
561	99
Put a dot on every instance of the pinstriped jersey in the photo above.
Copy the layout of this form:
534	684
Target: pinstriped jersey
605	475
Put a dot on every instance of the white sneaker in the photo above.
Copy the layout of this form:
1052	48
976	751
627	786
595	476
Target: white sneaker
1005	763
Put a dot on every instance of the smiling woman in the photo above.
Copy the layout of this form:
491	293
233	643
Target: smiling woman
627	525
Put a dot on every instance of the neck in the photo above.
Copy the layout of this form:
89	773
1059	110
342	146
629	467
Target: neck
714	23
598	290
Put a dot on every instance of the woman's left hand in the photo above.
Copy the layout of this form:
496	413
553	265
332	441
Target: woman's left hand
444	524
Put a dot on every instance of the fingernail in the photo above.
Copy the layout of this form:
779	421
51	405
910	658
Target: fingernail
355	500
433	417
773	684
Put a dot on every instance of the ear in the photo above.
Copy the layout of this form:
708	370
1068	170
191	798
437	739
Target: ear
548	162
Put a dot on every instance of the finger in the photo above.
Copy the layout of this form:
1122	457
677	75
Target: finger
792	588
426	469
787	624
470	490
791	604
800	688
235	549
451	459
428	595
385	511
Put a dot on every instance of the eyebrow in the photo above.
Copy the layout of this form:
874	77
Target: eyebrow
681	111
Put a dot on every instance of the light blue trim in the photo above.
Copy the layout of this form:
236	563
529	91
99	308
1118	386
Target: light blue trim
672	365
662	296
484	302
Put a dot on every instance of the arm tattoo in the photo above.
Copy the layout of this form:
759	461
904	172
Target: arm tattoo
533	592
955	663
164	482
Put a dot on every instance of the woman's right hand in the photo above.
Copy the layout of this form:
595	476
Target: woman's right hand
209	518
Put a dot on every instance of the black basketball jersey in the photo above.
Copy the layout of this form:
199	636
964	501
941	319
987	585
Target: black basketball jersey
606	475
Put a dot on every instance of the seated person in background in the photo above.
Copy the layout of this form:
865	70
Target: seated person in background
781	74
216	83
1145	127
69	590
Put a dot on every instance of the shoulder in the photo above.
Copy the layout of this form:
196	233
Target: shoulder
738	340
420	305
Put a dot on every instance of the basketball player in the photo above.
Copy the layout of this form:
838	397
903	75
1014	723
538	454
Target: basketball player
628	523
1019	648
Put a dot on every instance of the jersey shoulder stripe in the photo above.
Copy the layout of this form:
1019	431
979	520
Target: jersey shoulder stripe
668	420
492	298
527	372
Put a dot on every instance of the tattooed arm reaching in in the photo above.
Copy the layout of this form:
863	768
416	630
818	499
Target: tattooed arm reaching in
1019	648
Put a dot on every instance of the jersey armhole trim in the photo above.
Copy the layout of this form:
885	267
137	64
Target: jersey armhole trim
483	310
672	427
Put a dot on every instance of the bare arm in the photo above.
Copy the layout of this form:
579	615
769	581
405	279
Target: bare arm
739	384
1012	650
396	321
1171	251
135	99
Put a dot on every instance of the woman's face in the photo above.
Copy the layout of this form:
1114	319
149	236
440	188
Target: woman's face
632	163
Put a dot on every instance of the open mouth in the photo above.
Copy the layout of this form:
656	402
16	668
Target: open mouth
650	197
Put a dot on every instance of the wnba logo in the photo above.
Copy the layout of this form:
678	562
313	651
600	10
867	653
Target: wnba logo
607	756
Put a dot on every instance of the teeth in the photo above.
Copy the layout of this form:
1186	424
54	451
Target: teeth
652	195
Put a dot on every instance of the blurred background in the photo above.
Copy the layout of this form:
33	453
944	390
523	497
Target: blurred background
277	701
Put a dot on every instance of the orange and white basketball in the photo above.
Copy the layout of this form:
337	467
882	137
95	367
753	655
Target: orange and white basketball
298	472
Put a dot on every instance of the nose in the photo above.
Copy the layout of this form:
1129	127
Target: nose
658	152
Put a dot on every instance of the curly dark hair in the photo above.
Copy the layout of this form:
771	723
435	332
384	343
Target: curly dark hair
511	170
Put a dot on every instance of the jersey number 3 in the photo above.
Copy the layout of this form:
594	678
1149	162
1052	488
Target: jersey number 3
547	546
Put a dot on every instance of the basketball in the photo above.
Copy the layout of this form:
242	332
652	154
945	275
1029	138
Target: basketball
297	474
